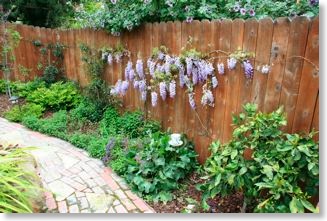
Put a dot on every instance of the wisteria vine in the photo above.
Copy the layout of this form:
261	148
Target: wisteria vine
191	68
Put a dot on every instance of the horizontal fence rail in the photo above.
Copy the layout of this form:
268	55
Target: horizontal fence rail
290	47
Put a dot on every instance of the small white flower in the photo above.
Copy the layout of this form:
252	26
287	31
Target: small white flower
265	69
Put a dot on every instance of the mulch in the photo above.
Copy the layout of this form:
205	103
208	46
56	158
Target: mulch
5	104
230	204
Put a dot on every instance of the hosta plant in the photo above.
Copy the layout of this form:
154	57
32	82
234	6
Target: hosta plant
276	171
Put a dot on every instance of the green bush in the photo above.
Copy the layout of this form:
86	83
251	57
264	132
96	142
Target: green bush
282	163
156	169
24	89
87	110
80	140
131	124
16	114
58	96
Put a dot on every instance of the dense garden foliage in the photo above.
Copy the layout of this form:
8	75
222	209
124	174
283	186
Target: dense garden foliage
118	15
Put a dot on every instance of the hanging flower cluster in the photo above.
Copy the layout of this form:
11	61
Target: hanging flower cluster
116	54
191	68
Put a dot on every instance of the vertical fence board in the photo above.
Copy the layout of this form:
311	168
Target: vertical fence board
293	69
147	54
224	42
309	84
188	117
262	57
233	77
249	45
315	120
277	62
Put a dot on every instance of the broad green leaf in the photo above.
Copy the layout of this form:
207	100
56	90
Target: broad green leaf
160	162
296	206
268	171
308	205
243	170
217	179
234	154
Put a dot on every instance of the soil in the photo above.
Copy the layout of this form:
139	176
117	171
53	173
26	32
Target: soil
5	104
189	195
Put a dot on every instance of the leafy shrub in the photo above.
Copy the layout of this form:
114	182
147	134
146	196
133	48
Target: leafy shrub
281	164
16	114
27	88
156	168
57	97
50	74
2	86
110	122
131	124
99	93
87	110
16	184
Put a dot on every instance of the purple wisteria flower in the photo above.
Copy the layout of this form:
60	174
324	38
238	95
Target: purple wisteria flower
172	89
109	59
136	84
143	95
231	63
162	90
168	62
128	69
191	100
154	98
189	19
252	12
214	81
221	68
151	66
131	74
265	69
139	68
181	80
189	66
124	87
142	85
207	98
248	69
195	78
161	56
243	11
160	68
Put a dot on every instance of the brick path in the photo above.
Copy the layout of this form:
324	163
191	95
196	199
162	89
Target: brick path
75	182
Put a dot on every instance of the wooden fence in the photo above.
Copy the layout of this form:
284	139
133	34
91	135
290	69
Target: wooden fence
292	82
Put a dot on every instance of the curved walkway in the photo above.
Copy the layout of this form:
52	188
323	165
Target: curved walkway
75	182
